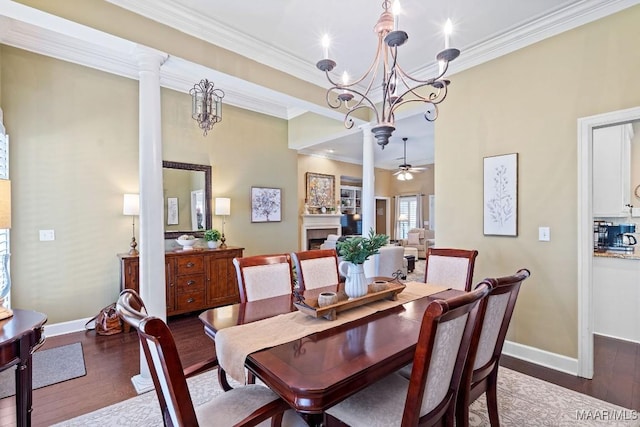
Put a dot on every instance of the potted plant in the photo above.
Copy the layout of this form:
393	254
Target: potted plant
354	252
212	237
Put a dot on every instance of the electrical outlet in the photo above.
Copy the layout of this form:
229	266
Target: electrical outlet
47	235
544	234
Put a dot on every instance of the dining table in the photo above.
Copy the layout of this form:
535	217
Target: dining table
316	371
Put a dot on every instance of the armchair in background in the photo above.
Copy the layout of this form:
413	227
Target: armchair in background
421	239
330	242
389	260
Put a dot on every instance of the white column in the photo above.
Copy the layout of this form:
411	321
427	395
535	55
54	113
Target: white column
152	271
367	202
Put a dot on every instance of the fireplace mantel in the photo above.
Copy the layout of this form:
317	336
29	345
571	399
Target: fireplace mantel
329	222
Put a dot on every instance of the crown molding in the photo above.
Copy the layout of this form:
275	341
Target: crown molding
44	34
522	35
217	32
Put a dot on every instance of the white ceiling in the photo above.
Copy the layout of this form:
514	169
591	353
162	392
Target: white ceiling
285	34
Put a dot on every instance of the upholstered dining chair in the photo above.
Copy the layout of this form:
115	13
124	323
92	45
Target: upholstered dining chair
263	276
481	370
243	406
450	267
429	396
316	268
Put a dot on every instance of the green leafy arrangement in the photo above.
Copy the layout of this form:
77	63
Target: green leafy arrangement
358	249
212	235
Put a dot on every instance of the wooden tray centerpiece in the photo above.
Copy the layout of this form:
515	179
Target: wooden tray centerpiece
330	312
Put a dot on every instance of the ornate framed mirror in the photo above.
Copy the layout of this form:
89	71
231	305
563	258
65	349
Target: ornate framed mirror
187	199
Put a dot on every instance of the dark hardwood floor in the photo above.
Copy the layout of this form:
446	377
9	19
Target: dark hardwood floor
112	361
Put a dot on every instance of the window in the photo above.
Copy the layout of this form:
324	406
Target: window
407	215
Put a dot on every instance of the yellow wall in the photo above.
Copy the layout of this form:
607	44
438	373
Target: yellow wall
74	153
528	102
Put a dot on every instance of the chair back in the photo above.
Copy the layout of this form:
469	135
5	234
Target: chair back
494	317
444	340
450	267
263	276
163	360
316	268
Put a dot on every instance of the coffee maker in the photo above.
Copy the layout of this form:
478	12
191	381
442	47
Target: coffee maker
620	238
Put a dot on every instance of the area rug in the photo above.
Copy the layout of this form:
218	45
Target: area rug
417	275
523	402
49	366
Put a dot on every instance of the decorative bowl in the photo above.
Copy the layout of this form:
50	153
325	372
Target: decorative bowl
186	243
378	286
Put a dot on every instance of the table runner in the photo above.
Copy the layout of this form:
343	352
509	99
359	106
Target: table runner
234	344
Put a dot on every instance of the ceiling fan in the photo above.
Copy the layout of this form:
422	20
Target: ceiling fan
405	171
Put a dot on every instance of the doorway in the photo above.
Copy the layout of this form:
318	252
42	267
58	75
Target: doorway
383	216
586	125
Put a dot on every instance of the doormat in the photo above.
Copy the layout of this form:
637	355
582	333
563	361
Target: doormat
49	366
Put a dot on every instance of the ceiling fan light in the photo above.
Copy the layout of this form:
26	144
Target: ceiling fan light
401	176
408	176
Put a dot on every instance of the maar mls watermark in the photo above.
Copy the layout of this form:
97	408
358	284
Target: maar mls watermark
607	415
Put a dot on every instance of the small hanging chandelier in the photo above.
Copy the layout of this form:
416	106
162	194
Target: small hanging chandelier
206	107
396	84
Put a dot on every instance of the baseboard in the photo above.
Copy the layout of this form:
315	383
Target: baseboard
540	357
616	338
65	327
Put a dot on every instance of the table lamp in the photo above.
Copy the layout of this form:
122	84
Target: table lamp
223	207
5	223
131	206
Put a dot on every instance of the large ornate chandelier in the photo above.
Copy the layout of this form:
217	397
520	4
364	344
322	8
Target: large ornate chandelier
398	88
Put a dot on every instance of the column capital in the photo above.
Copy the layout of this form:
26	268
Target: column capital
149	59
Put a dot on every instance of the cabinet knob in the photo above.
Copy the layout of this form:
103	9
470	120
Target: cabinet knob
190	282
190	300
190	264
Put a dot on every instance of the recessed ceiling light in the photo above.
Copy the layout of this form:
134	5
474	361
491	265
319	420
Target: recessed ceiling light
331	150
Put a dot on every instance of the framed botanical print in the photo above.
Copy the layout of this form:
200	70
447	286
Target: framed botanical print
500	203
266	204
320	190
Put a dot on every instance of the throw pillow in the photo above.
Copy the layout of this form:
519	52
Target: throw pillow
413	239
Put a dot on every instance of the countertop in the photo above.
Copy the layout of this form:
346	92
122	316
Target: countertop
617	254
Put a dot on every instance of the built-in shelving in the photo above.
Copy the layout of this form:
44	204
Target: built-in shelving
350	199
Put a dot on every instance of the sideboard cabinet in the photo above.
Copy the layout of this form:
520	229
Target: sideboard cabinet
195	279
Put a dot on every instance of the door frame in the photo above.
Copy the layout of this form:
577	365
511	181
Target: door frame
387	207
585	229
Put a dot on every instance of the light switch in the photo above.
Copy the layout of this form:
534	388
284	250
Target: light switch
47	235
544	234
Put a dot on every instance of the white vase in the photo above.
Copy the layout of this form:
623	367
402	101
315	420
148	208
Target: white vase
212	244
356	284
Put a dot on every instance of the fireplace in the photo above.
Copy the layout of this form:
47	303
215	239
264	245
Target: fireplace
315	243
316	228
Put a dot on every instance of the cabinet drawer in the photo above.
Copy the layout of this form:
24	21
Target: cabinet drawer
190	283
189	301
190	264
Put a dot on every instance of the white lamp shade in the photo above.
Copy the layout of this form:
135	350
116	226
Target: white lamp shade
131	204
403	217
5	203
223	206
